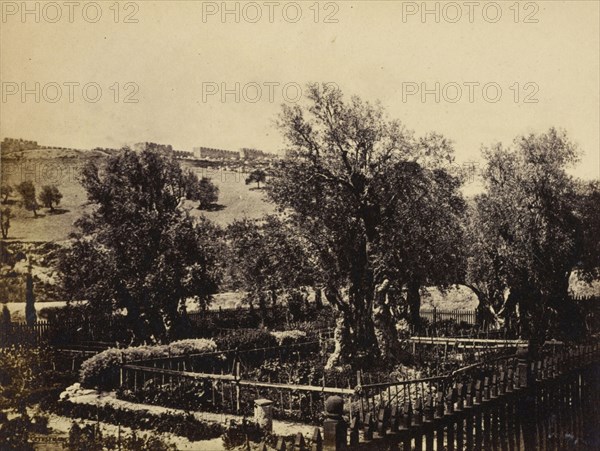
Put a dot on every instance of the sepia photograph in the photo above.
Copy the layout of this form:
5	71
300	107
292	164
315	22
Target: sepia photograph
304	225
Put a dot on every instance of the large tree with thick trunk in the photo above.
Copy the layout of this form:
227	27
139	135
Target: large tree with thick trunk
138	252
533	234
345	185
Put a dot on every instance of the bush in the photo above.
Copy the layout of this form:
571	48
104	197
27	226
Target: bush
189	395
27	376
288	337
246	339
101	369
90	437
238	434
183	425
14	434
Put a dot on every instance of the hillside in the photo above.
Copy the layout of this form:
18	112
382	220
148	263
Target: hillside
236	199
51	153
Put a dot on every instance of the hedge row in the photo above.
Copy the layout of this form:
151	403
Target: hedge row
101	370
183	425
97	370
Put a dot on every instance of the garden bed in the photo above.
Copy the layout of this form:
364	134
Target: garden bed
86	403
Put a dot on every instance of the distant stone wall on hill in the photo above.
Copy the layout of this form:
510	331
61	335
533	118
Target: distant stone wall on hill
15	145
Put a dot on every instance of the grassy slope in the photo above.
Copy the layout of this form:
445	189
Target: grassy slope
236	199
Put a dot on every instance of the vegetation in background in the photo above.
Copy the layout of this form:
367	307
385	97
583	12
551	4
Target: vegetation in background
138	251
5	192
257	176
5	215
208	193
27	191
267	258
527	234
50	196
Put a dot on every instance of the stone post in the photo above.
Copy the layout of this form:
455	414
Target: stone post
334	427
263	414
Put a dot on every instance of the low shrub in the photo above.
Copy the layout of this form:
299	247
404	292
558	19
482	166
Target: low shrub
100	371
190	395
239	434
90	438
288	337
183	425
27	376
246	339
14	434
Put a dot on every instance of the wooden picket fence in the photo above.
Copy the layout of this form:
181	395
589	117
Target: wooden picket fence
457	315
549	403
76	331
512	403
47	332
462	406
20	333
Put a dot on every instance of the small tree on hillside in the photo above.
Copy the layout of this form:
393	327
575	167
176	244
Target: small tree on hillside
257	176
50	195
27	191
203	190
208	193
5	192
5	215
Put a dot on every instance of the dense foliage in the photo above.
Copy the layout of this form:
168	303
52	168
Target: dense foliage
365	194
268	260
527	235
50	196
100	370
138	252
27	191
90	438
184	425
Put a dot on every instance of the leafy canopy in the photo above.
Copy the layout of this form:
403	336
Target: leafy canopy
138	252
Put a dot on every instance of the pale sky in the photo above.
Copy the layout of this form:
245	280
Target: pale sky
377	49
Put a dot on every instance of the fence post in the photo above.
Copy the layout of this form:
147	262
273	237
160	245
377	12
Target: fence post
439	420
334	427
460	424
237	386
404	429
418	424
469	416
449	417
478	409
263	414
317	440
429	408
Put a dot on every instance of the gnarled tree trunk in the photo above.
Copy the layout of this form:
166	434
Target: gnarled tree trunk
385	324
413	299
